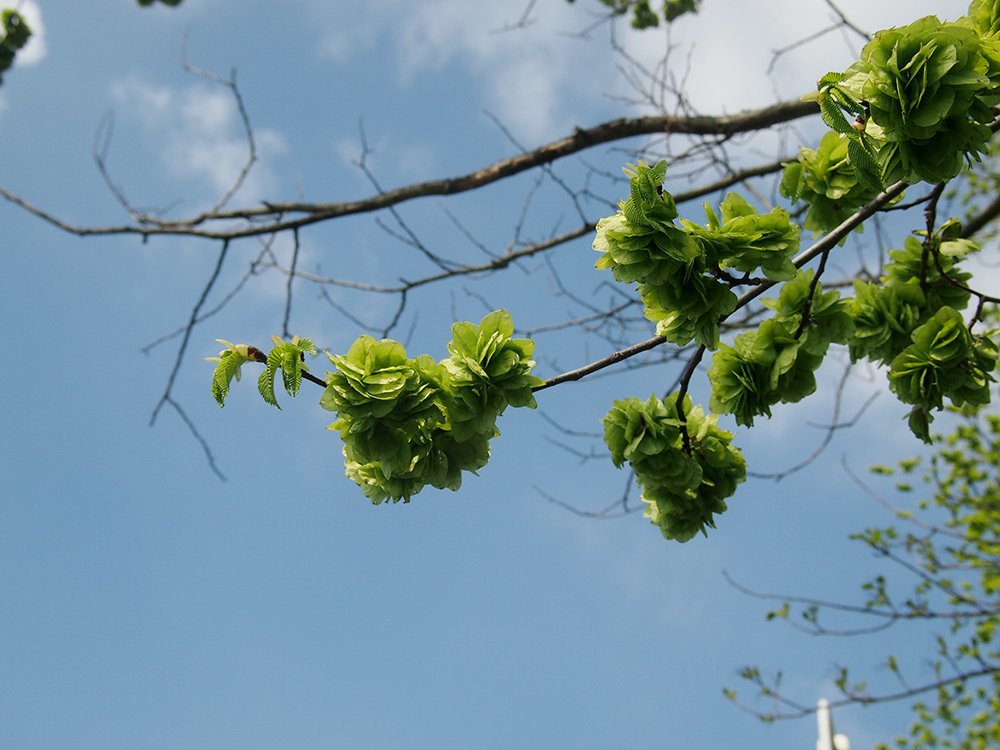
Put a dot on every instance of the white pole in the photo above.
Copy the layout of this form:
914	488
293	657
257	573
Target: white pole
825	721
827	739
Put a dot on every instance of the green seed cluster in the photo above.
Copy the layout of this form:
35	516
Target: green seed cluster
776	362
944	360
407	423
828	183
915	283
931	88
683	274
683	486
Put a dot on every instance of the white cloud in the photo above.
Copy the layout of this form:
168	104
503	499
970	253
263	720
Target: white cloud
736	42
407	160
528	75
348	34
200	135
534	76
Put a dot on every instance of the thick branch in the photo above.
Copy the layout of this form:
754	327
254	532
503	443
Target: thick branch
272	214
987	214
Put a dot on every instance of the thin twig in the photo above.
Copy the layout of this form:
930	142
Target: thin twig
288	287
229	83
192	322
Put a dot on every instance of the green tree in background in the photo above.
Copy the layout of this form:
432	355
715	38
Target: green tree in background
942	572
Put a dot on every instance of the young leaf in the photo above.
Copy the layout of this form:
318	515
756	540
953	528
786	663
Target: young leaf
793	181
265	383
829	79
863	161
289	357
832	114
230	361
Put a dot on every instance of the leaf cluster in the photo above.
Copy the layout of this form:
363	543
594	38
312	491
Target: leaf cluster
827	182
776	361
682	273
944	360
288	357
862	147
920	279
643	15
929	90
683	485
407	423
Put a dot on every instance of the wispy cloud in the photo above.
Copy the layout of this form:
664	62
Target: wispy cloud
199	135
531	76
727	68
528	76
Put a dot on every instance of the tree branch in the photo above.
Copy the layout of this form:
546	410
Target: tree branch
272	215
823	245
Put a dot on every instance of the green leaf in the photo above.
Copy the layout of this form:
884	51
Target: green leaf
793	181
683	487
829	79
833	115
230	362
265	383
865	165
288	357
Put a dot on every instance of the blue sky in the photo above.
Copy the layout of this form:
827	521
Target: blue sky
146	604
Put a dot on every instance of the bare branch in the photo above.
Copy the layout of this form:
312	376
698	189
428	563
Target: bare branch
209	456
831	429
192	322
986	215
522	23
252	270
852	697
288	287
865	36
229	83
